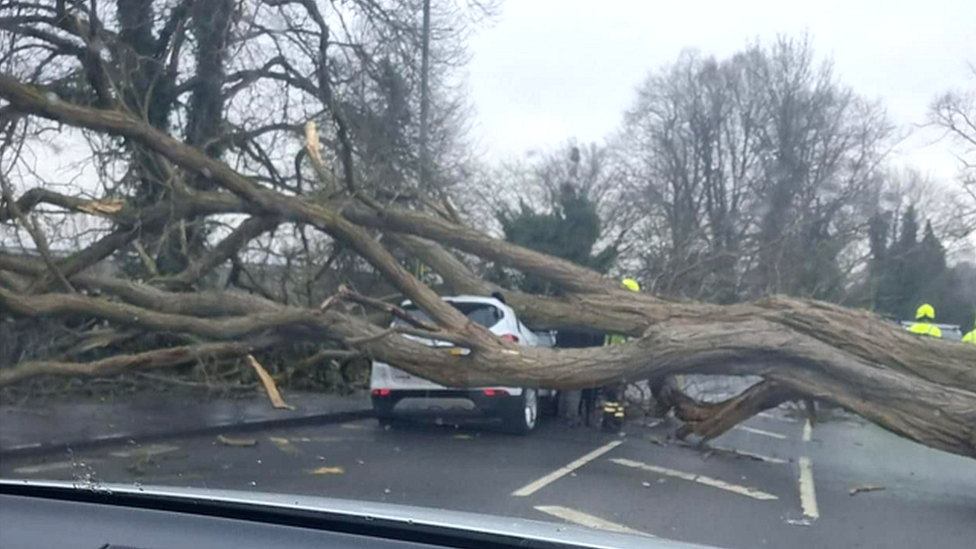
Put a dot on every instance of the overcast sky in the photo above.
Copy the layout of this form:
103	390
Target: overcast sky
549	70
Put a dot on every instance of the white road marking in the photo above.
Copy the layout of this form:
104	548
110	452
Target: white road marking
589	521
151	450
537	485
767	415
48	467
760	457
808	494
700	479
760	432
807	431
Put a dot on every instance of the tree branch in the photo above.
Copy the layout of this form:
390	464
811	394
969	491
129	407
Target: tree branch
227	248
160	358
36	234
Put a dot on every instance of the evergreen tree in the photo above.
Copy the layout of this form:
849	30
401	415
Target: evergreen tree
569	231
879	279
903	266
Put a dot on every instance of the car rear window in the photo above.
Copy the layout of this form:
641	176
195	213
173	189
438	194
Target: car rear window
483	313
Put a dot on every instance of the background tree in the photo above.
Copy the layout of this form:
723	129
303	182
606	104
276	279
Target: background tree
954	112
569	231
751	172
908	272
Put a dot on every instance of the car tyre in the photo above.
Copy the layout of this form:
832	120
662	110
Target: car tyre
522	413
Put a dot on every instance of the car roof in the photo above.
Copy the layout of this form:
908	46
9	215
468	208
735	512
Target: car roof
465	299
469	299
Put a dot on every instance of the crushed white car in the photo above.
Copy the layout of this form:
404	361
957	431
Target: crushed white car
518	407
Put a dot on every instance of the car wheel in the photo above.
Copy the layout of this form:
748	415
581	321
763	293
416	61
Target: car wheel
523	412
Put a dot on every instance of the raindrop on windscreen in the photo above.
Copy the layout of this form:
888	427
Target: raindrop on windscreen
254	483
206	173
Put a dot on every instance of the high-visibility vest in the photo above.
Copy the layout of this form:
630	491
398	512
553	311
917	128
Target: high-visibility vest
613	339
924	328
970	337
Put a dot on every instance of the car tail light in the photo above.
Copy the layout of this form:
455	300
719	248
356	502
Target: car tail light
511	337
495	392
381	392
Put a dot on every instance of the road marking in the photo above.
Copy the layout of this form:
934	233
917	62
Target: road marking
807	431
760	457
700	479
534	487
48	467
808	494
760	432
151	450
767	415
589	521
354	426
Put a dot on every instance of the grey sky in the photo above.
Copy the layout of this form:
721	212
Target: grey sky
549	70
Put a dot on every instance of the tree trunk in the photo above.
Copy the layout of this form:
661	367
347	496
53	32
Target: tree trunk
922	389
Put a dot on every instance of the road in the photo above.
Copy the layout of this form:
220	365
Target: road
788	486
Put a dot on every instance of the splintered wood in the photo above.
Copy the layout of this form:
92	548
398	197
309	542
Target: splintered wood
269	384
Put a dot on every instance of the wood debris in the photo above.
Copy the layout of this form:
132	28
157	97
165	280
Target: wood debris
239	442
269	384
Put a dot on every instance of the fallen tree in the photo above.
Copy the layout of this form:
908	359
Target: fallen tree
921	389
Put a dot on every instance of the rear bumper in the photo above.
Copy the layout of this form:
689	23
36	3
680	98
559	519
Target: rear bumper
478	397
386	377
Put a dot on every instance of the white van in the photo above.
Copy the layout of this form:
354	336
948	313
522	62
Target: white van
517	407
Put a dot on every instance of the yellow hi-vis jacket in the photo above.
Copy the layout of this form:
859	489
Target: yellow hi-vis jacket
970	337
924	328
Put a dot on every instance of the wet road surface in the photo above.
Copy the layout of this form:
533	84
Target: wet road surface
775	481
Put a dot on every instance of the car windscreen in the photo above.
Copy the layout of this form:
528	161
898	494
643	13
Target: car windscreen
483	313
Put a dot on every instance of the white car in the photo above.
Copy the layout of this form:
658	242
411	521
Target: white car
518	407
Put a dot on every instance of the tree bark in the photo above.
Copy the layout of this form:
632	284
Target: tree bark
160	358
922	389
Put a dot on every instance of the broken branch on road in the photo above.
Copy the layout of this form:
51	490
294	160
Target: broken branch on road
921	389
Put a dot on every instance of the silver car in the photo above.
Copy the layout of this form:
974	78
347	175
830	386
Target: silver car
518	407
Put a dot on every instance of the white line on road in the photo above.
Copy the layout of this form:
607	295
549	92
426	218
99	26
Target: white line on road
807	431
760	432
151	450
48	467
808	494
760	457
534	487
589	521
767	415
700	479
